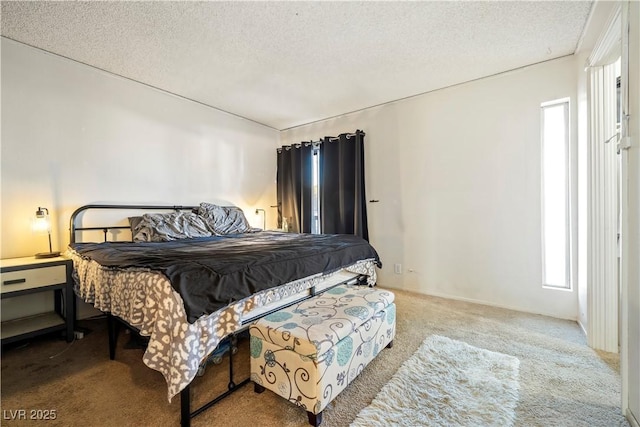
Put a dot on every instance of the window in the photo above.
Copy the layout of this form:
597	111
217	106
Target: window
315	190
556	224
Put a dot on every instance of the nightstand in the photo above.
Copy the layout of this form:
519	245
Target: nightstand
22	276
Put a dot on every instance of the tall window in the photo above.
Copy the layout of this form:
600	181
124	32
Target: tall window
556	223
315	190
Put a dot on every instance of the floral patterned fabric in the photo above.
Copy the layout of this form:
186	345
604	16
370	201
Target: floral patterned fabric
309	352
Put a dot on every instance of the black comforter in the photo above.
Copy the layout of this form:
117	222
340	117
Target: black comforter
212	272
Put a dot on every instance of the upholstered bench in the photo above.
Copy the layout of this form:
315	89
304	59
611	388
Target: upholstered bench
309	352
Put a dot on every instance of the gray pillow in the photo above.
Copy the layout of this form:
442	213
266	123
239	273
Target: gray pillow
223	220
134	222
162	227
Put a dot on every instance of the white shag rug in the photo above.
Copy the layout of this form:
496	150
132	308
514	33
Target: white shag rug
447	383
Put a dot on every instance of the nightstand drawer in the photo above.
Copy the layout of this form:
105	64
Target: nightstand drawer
33	278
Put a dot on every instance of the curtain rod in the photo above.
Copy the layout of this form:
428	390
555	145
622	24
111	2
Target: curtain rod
348	135
320	141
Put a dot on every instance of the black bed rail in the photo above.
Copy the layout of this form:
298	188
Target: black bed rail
73	228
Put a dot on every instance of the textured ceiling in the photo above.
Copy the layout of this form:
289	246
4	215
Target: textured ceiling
284	64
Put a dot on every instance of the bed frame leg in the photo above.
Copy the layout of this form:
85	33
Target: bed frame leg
113	328
185	407
233	342
390	345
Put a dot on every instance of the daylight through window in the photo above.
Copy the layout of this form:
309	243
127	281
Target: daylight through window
556	237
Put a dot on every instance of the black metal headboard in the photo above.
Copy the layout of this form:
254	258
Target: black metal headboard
73	228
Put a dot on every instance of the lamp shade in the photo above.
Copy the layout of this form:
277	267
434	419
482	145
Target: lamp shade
41	224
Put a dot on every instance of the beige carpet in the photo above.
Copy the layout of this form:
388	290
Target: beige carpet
562	381
447	383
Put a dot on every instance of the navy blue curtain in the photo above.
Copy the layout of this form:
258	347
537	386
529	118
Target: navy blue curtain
294	186
343	208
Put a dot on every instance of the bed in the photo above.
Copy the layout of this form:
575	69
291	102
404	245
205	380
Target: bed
192	277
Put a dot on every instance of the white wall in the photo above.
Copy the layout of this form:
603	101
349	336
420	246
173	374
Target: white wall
457	173
73	135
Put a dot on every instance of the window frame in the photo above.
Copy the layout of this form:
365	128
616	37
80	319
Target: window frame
569	276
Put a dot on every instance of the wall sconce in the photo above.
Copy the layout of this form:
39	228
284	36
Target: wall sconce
264	218
42	224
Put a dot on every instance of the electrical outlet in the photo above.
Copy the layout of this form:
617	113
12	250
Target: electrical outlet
397	268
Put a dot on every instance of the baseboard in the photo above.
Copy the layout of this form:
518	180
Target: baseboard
489	303
633	422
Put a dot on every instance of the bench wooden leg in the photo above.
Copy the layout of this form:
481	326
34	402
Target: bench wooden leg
390	345
258	388
314	419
